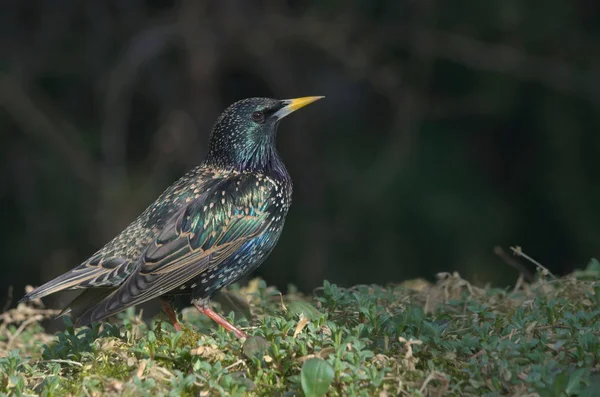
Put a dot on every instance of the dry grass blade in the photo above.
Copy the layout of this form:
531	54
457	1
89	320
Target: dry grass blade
300	326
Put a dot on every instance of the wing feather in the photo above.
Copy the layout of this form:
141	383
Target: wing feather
111	265
206	232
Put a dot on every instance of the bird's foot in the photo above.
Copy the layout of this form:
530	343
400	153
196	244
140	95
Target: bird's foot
221	321
168	309
177	326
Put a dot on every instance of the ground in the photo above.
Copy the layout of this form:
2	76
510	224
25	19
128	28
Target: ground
447	338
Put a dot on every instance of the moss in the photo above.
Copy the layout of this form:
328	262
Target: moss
418	338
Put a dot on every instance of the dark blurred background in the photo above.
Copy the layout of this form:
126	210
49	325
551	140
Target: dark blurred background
449	128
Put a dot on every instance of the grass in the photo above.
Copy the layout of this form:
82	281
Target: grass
449	338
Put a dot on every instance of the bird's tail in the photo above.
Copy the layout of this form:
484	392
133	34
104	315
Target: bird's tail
84	302
71	279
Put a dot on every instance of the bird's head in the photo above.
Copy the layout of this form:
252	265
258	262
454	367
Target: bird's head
243	137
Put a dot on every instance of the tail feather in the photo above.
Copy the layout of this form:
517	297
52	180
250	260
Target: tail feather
97	272
84	302
69	280
97	312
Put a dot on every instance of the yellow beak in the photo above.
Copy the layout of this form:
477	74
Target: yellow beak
291	105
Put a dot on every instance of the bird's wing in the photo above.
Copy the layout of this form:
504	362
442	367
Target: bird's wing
111	265
205	233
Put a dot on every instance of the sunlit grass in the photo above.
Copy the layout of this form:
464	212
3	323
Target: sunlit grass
448	338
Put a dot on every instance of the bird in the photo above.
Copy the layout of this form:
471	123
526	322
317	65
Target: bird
212	227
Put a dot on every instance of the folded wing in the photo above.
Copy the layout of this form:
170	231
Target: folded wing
206	232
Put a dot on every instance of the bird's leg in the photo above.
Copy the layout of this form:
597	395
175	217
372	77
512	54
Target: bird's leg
220	320
168	309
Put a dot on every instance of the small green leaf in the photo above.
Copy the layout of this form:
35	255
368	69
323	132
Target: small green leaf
301	307
574	384
255	346
593	266
593	389
591	272
232	301
315	377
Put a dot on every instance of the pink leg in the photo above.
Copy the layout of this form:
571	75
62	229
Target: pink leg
166	306
220	320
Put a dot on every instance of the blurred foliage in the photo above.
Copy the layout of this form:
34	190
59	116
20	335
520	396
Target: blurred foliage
449	128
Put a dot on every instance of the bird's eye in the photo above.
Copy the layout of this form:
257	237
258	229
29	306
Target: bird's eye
259	117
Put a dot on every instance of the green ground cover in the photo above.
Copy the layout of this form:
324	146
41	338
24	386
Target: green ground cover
448	338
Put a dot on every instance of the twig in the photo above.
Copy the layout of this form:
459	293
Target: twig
479	353
519	283
235	364
432	376
61	361
518	251
458	331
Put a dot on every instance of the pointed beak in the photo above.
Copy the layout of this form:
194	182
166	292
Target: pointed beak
291	105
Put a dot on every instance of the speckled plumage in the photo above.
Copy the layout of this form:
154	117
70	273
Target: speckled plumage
216	224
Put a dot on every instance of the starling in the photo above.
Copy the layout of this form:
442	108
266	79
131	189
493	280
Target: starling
213	226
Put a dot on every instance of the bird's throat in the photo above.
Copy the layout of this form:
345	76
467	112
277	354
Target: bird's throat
261	158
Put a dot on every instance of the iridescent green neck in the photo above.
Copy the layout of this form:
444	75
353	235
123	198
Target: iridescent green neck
253	153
